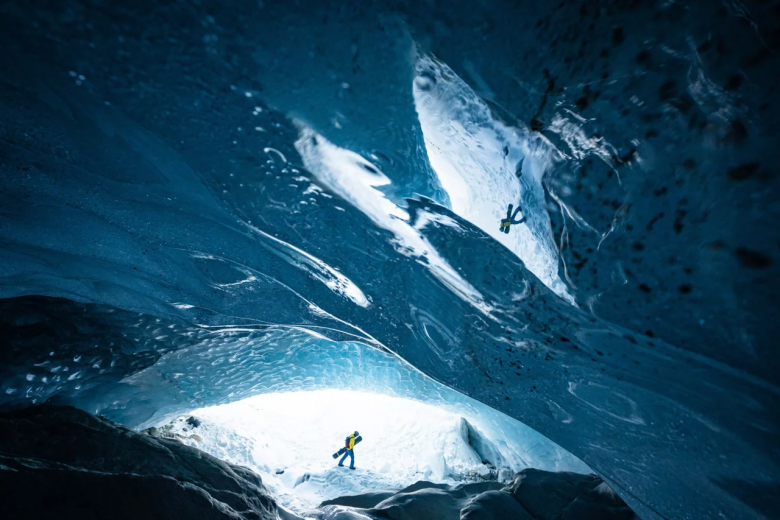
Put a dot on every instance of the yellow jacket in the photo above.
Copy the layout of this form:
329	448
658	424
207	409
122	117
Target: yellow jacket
350	442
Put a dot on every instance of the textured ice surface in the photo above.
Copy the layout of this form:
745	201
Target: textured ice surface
485	165
150	172
404	441
356	181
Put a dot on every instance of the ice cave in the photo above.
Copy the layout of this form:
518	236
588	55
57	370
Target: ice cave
517	258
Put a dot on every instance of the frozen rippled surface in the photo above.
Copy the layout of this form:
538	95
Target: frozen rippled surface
204	201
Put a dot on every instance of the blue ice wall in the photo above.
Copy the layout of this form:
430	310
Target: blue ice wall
228	166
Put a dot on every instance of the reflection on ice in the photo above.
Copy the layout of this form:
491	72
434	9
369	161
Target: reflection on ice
485	165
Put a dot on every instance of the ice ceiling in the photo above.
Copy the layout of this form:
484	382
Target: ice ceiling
191	192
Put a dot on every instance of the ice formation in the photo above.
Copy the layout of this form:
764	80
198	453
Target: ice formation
201	202
288	438
485	165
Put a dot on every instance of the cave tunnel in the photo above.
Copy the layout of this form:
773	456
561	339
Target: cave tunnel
519	256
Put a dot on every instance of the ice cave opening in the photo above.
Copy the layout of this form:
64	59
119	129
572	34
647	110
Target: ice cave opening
293	220
288	439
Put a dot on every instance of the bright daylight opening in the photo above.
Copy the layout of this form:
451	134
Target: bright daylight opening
290	439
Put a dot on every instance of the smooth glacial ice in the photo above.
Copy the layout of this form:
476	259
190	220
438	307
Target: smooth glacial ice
203	202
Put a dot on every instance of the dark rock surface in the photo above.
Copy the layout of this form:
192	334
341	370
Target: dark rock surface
567	496
494	505
534	495
362	501
60	462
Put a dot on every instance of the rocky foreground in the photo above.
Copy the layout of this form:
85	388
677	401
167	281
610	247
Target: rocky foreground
534	495
61	462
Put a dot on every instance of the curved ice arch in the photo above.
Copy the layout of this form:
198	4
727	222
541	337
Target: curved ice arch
232	366
485	165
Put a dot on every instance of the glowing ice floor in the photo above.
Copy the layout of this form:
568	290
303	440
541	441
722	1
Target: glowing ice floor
289	439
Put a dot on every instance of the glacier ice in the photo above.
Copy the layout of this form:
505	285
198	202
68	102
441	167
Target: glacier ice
287	438
485	165
355	180
171	239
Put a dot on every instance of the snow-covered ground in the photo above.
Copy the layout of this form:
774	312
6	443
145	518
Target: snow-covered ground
403	441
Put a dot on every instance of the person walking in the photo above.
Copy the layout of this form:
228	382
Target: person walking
349	445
